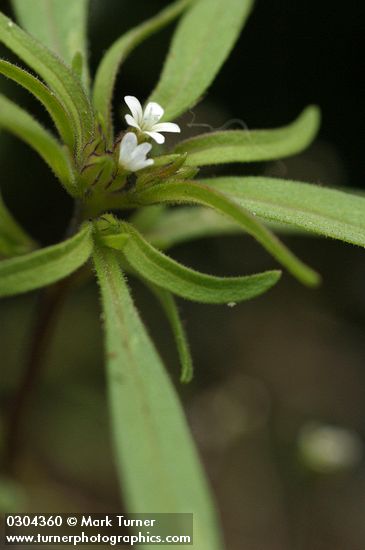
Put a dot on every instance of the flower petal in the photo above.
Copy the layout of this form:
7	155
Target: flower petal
142	150
159	138
139	164
166	127
135	107
127	147
152	114
131	121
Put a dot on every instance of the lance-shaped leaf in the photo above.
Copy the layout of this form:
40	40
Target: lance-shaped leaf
159	470
13	239
165	272
310	207
195	193
170	308
20	123
201	44
61	27
168	304
252	145
46	266
54	107
55	73
168	227
107	71
172	226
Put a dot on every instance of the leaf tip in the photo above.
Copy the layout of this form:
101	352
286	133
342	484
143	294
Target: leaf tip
276	274
311	278
312	116
186	378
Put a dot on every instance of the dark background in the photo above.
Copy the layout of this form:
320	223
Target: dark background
264	369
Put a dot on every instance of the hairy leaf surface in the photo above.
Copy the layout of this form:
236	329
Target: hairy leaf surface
168	304
317	209
46	266
157	463
165	272
55	73
20	123
202	42
54	107
177	225
197	193
252	145
60	25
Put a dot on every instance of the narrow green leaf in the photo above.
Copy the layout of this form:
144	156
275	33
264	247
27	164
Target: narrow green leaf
178	225
201	44
195	193
45	96
159	469
78	64
170	308
252	145
107	71
62	27
310	207
13	239
20	123
55	73
183	281
46	266
168	227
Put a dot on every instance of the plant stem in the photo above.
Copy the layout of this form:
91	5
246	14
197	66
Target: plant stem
50	301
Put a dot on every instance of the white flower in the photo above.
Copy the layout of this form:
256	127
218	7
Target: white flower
147	121
132	156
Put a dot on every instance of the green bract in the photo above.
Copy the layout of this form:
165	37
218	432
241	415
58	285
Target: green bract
84	154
